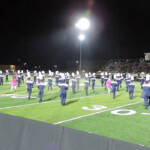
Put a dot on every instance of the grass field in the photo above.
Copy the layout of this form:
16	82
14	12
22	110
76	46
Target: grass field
83	112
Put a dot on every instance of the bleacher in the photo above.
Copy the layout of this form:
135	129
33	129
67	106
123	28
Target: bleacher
127	65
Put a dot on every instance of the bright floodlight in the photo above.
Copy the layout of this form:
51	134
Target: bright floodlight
83	24
81	37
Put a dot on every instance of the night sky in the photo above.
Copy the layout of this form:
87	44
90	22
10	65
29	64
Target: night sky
43	33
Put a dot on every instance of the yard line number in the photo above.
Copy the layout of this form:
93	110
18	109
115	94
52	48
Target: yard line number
119	112
94	107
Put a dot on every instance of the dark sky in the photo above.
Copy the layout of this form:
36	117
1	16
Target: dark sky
43	32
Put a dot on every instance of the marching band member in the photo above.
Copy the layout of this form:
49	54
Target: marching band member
146	93
102	79
73	83
131	89
7	73
86	84
93	81
78	79
29	84
50	80
41	87
114	85
63	88
18	78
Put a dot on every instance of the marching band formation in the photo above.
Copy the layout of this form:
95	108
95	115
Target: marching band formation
111	83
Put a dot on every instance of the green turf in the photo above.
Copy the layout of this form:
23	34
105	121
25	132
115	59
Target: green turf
133	128
51	111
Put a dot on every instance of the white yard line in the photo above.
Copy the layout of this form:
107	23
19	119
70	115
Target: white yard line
9	95
50	101
54	101
96	113
46	93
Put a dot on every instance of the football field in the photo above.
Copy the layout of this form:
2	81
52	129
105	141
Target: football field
97	113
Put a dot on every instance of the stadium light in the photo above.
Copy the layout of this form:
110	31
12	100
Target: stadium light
83	24
81	37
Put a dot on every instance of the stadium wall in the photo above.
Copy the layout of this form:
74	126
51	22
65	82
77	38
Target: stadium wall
18	133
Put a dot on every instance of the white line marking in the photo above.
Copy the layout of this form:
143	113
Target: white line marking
54	101
96	113
26	95
145	113
51	101
46	93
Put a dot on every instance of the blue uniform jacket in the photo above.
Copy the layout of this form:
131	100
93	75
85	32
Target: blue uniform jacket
102	79
93	80
61	80
29	84
63	88
118	81
146	91
49	81
127	83
67	80
142	80
113	85
41	87
131	87
86	84
73	83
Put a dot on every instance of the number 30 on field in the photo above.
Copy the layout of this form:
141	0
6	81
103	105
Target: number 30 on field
120	112
126	112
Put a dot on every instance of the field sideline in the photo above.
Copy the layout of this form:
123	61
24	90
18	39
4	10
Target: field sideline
90	113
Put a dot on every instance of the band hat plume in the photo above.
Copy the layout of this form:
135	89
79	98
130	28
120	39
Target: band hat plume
40	75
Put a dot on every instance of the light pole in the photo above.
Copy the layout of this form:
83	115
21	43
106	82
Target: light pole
83	24
81	38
